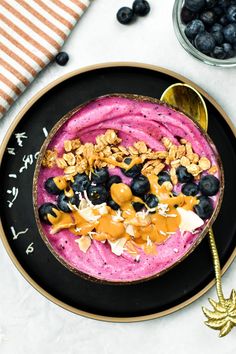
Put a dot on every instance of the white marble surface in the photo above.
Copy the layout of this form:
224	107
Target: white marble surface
29	323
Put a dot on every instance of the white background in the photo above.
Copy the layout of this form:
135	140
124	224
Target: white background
29	323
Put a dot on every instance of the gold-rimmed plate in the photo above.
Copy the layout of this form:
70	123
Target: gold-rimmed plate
154	298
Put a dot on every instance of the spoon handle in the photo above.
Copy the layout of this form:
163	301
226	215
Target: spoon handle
223	318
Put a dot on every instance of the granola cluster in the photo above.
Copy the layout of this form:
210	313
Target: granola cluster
80	158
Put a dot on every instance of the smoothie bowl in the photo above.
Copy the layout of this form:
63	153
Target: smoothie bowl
125	187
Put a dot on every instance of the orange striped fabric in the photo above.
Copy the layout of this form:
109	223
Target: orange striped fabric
32	32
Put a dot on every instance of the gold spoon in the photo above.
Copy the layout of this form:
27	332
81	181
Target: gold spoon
187	99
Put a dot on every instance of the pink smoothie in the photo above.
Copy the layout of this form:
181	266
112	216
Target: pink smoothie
133	120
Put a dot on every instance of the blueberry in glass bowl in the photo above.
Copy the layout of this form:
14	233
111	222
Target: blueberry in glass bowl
207	30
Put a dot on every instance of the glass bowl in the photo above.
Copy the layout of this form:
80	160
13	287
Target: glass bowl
179	30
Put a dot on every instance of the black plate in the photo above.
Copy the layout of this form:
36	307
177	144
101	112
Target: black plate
166	293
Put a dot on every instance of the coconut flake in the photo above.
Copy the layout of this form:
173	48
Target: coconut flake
130	230
189	220
84	242
117	247
88	215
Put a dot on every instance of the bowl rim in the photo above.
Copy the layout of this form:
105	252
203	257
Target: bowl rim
53	132
186	44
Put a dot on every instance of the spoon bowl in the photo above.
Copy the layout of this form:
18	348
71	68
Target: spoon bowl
188	100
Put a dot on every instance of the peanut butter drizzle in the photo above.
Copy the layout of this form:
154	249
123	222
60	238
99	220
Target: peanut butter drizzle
60	182
147	229
110	161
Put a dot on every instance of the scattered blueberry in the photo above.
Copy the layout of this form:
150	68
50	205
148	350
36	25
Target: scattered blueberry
97	194
100	176
63	201
81	183
219	53
187	15
205	42
141	7
229	51
140	185
111	203
163	177
209	185
151	200
62	58
195	5
207	17
183	175
193	28
133	171
210	3
190	189
125	15
138	206
51	186
112	180
45	209
230	33
231	13
205	208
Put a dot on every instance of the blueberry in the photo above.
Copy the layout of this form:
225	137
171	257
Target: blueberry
210	3
223	3
229	51
51	186
125	15
193	28
100	176
63	201
62	58
133	171
140	185
217	27
218	37
190	189
141	7
218	11
209	185
151	200
45	209
219	53
112	180
163	177
230	33
205	208
138	206
111	203
81	183
195	5
231	13
204	42
183	175
207	17
187	15
97	194
223	20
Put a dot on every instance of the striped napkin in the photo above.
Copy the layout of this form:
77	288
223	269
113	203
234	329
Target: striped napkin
32	32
